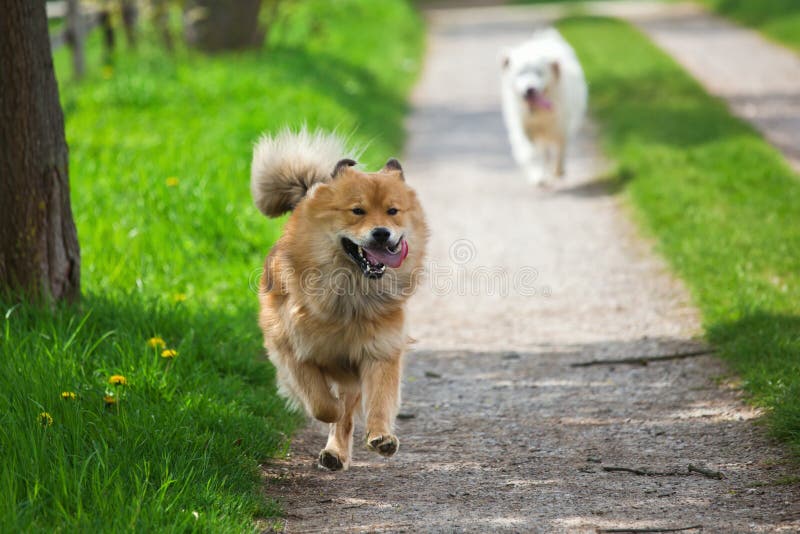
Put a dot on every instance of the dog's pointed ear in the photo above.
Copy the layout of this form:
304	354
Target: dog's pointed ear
556	68
392	165
341	165
505	58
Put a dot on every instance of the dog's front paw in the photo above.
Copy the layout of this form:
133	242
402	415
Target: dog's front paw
331	461
385	445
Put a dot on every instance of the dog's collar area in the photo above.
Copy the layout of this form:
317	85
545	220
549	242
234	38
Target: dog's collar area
356	253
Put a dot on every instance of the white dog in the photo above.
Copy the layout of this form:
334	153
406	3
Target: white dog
544	101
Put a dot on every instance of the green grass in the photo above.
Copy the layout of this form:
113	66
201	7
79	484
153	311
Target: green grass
159	164
779	19
721	203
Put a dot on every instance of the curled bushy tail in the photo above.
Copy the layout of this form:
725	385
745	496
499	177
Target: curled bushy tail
286	165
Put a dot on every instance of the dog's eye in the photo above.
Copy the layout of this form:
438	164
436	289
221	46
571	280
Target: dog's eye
392	211
359	211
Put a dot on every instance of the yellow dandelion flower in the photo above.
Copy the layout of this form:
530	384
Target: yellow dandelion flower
68	395
118	380
169	353
172	181
156	343
45	419
109	400
179	297
107	72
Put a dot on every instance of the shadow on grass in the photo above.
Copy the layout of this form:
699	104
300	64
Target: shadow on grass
762	346
607	185
675	116
381	108
183	434
720	201
777	19
678	111
260	84
757	13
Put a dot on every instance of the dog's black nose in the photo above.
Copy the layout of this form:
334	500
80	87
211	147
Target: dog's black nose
530	92
381	234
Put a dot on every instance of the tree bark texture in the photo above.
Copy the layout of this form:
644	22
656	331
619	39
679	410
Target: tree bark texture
39	253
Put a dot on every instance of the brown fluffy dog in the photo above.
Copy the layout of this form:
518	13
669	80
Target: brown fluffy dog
335	284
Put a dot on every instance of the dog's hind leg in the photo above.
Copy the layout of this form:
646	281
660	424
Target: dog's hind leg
381	388
548	168
561	149
538	169
339	450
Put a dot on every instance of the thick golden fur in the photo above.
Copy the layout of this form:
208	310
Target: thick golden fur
335	336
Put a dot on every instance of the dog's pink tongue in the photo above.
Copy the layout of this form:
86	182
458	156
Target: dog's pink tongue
539	101
387	258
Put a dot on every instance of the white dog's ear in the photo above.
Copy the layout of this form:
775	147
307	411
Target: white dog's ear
505	58
556	68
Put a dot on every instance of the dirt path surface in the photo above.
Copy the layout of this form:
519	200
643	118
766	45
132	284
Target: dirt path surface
500	431
760	80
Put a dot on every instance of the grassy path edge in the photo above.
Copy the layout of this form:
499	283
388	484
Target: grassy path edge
718	199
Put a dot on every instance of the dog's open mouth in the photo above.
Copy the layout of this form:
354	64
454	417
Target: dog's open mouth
539	101
373	260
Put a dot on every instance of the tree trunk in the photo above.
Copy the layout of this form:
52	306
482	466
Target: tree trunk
130	13
75	37
104	18
39	254
217	25
159	10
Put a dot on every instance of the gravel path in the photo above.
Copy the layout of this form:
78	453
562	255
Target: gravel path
501	432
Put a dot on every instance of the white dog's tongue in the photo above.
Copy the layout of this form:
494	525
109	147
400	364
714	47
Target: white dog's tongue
385	257
539	101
